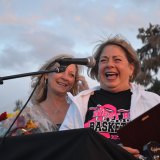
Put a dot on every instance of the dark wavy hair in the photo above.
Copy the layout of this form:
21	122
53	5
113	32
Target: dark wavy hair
129	52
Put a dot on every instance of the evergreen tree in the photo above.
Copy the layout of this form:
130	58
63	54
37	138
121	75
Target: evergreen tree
149	56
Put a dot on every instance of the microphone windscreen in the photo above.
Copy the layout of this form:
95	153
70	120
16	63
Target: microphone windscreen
91	62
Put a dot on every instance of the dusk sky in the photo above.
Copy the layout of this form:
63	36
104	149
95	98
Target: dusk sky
33	31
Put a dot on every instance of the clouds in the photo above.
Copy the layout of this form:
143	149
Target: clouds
33	31
31	45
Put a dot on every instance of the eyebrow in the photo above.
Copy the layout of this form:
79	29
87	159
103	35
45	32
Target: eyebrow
113	56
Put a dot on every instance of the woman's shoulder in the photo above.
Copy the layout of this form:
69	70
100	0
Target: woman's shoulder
149	94
87	92
140	90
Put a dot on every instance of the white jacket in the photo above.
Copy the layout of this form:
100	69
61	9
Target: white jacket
141	101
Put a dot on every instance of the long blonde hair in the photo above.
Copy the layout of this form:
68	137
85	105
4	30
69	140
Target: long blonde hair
40	93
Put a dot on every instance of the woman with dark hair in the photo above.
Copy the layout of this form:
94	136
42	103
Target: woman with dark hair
117	100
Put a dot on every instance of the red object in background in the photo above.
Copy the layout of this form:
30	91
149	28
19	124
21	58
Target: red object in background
3	116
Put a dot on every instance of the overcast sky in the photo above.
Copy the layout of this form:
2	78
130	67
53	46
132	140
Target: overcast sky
32	31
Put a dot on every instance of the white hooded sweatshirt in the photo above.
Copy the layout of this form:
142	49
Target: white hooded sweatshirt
141	101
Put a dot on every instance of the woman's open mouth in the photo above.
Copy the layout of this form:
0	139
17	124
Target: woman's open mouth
111	75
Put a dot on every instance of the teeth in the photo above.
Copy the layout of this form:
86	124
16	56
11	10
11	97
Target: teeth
62	84
110	74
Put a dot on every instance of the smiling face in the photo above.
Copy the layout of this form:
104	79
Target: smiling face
61	83
114	69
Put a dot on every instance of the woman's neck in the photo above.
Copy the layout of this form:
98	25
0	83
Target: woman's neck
55	101
55	106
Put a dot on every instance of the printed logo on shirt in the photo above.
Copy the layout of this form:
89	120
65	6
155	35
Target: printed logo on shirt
107	120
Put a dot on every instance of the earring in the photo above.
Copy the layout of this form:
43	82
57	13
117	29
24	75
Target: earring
46	82
131	78
45	85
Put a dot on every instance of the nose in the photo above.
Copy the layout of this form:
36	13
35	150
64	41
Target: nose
110	63
65	75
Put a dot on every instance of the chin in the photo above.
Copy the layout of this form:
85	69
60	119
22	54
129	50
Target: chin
111	87
111	84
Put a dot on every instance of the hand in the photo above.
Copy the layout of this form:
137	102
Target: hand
82	83
134	152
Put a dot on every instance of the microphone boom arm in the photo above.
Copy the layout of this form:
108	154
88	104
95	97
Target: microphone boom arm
57	69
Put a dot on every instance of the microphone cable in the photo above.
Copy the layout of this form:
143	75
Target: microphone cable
9	129
58	70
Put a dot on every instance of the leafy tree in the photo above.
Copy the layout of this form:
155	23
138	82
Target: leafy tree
19	105
149	56
155	87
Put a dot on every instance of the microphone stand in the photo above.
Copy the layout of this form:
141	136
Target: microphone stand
57	70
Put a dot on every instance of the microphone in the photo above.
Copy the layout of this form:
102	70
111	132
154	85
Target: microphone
89	61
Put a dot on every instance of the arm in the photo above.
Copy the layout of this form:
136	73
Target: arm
134	152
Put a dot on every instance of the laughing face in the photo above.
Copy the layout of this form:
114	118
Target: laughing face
60	83
114	69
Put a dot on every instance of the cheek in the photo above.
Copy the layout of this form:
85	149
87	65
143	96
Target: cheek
128	68
123	68
125	72
101	72
53	75
52	78
101	69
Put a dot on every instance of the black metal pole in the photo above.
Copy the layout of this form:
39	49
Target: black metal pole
57	70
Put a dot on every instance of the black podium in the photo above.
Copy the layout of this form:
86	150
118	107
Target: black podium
77	144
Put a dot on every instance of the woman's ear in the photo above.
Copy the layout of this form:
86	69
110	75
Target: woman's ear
46	76
131	66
